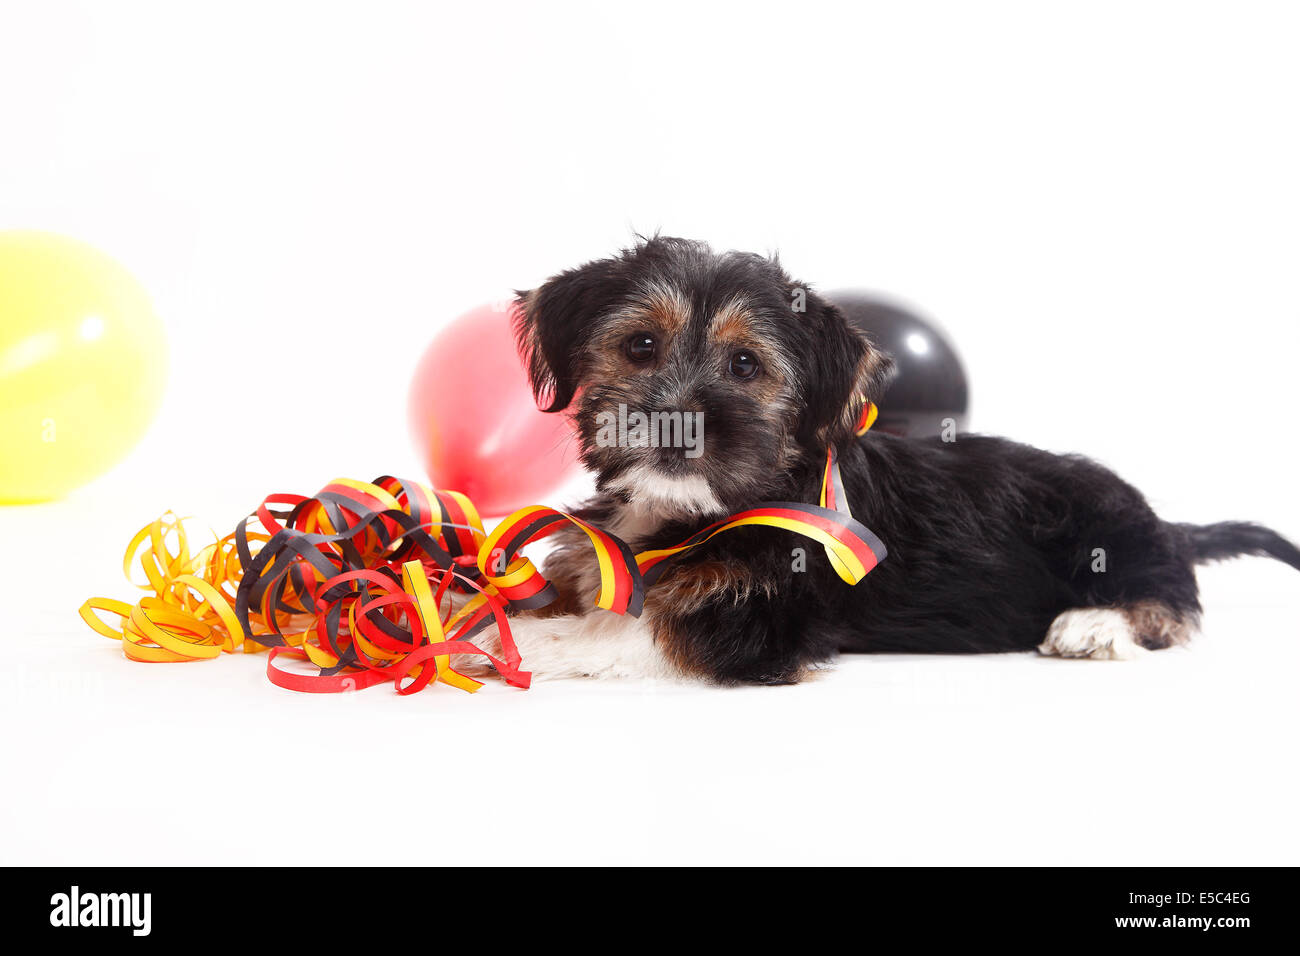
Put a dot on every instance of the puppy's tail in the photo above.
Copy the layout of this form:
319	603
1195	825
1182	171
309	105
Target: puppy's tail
1228	539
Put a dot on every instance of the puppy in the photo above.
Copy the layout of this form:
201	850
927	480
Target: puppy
992	545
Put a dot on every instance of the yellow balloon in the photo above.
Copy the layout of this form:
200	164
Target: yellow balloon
82	364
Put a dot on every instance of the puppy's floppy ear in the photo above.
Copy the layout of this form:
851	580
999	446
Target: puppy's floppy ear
552	323
845	370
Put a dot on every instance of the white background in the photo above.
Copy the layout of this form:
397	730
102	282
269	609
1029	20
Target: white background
1099	201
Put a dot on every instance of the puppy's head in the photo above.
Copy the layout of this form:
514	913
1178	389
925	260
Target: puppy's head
697	380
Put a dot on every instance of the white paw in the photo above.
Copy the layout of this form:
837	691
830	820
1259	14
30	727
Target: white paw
597	644
1104	634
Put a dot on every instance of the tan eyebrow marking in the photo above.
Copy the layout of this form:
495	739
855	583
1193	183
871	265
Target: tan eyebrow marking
667	305
655	308
733	322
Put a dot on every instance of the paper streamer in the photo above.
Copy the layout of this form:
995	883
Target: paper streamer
369	581
384	581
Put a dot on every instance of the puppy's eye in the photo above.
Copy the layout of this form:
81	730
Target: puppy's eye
744	365
640	347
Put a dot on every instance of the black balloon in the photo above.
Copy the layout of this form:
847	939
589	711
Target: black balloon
929	396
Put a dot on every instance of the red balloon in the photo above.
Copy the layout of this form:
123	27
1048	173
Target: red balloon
476	426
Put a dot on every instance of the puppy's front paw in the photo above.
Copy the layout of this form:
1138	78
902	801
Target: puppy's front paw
476	665
1101	633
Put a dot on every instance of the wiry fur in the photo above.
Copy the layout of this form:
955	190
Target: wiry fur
990	542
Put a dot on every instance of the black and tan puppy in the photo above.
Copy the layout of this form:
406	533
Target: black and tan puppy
992	544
